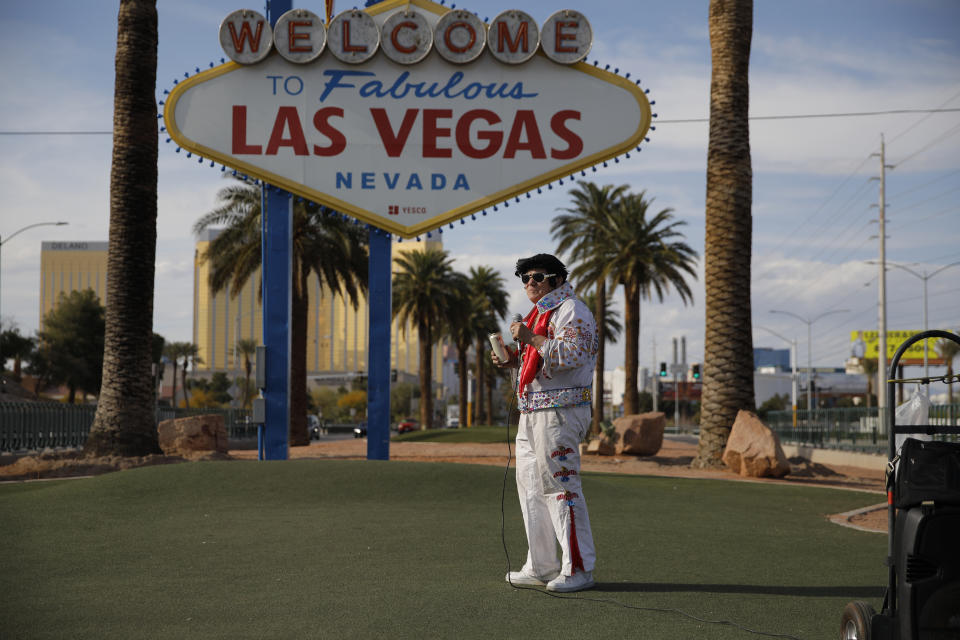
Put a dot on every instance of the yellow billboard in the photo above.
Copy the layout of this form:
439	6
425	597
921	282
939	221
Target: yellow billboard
866	344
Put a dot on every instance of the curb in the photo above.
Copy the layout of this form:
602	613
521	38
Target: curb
837	457
843	519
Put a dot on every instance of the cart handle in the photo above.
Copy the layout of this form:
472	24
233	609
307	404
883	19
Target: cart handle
944	378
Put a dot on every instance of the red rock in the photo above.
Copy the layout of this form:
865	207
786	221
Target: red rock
184	436
601	446
753	450
640	434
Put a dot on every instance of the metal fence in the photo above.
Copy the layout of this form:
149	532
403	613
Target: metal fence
855	428
34	426
29	426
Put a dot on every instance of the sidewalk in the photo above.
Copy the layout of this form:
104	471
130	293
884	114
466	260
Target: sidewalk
673	460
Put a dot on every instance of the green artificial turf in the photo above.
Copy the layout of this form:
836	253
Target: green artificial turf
367	549
472	434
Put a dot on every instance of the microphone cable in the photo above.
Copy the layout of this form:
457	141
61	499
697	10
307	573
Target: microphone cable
514	403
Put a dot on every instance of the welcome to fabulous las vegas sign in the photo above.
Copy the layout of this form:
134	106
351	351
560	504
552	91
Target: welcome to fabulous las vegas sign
407	115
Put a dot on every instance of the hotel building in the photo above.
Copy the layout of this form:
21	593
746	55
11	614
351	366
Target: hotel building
71	266
337	334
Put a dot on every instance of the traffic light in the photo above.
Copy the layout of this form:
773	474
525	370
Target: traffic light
663	369
696	372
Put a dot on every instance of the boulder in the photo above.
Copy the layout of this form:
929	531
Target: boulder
601	446
753	450
640	434
187	436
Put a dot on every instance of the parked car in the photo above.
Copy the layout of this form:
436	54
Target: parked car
360	431
407	424
453	423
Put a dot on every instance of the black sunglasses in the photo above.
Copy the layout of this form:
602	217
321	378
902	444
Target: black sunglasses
537	277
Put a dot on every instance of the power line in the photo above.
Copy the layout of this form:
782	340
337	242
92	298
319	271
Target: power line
930	144
914	205
913	221
801	116
918	122
56	133
819	209
925	184
837	240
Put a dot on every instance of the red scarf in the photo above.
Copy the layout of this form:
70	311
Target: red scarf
531	357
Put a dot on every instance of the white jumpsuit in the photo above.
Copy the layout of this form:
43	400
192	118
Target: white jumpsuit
555	415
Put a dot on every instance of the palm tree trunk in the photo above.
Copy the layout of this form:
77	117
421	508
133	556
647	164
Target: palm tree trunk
631	340
426	375
462	367
183	379
173	398
480	378
489	406
125	423
248	368
601	310
728	344
299	313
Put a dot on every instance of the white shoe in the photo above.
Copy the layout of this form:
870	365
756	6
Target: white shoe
577	582
525	579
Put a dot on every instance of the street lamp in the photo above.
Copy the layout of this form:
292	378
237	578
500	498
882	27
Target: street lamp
11	237
924	277
793	366
809	323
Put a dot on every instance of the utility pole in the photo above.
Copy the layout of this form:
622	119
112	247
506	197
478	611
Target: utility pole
655	379
683	366
676	389
882	399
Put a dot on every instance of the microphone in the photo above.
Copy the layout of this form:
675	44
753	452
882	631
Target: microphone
517	318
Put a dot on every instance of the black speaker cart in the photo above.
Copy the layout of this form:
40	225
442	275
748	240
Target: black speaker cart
922	600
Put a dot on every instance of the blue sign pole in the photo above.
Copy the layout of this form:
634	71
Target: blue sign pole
277	268
378	350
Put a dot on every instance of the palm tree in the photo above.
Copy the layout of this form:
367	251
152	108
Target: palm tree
125	422
728	348
323	243
489	302
579	233
608	326
191	357
646	256
179	352
18	347
611	317
246	347
461	331
424	293
948	350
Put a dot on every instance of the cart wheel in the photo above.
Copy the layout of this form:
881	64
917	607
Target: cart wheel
855	622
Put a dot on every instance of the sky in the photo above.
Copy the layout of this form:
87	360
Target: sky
815	179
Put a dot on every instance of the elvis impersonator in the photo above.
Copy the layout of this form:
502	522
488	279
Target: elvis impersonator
558	343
